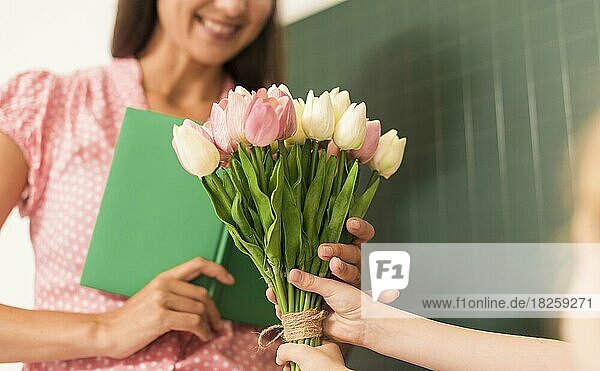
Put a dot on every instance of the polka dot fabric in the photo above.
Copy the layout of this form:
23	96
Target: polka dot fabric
67	127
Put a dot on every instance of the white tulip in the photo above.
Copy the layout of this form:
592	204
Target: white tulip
318	120
242	91
340	100
389	154
196	153
299	136
351	128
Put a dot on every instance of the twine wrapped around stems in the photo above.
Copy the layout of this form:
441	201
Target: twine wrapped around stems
296	326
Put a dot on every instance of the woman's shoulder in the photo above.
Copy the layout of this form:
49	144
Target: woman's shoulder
35	84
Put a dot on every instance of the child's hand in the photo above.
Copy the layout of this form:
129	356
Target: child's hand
325	357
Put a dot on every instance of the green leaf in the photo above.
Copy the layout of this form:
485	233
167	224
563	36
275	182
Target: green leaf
261	200
260	233
360	206
219	193
255	252
292	164
311	202
292	226
297	186
273	236
240	181
222	209
228	183
330	170
268	163
239	217
334	226
272	181
306	157
257	160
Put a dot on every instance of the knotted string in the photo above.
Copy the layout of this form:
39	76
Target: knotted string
296	326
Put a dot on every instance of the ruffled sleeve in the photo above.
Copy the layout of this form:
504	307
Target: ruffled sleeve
29	110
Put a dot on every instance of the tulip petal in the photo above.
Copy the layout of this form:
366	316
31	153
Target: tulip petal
234	116
197	154
369	146
261	123
218	127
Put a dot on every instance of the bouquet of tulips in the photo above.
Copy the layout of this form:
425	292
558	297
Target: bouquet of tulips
283	175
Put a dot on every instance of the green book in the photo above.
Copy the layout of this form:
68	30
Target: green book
154	216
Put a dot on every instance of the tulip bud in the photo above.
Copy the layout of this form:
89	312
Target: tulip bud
369	146
299	137
340	101
195	151
218	129
318	120
332	149
350	130
261	122
286	116
237	104
279	91
389	154
242	91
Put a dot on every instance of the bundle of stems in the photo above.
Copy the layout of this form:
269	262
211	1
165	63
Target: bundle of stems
280	203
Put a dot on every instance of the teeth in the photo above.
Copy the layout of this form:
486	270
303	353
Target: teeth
218	27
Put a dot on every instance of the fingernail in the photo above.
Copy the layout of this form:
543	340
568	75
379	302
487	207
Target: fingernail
295	275
231	278
354	223
327	250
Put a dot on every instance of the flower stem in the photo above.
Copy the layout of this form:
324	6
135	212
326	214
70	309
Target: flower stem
284	155
340	173
315	156
257	157
280	292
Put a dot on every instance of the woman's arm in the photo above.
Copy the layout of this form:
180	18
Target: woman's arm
27	335
31	336
168	302
13	176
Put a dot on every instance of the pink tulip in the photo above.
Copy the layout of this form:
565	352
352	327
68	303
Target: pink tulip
218	128
261	125
279	91
235	113
333	149
286	116
369	146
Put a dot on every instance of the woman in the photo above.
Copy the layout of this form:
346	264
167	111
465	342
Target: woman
57	136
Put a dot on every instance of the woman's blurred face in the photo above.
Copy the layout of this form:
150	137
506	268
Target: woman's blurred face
212	31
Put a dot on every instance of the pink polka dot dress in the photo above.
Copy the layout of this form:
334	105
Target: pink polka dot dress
67	127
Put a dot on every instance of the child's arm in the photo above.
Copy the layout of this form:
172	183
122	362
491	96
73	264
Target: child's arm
437	346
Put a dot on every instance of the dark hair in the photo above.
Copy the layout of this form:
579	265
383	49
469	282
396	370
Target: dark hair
259	64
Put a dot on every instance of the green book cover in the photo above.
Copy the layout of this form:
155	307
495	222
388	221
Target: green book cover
154	216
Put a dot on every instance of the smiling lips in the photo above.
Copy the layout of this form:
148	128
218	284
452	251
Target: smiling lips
216	29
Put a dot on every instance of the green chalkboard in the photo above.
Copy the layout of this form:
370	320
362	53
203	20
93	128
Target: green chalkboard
490	94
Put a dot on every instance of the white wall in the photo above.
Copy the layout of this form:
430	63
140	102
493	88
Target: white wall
62	36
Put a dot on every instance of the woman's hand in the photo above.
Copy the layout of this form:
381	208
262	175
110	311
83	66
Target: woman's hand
325	357
344	259
168	302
